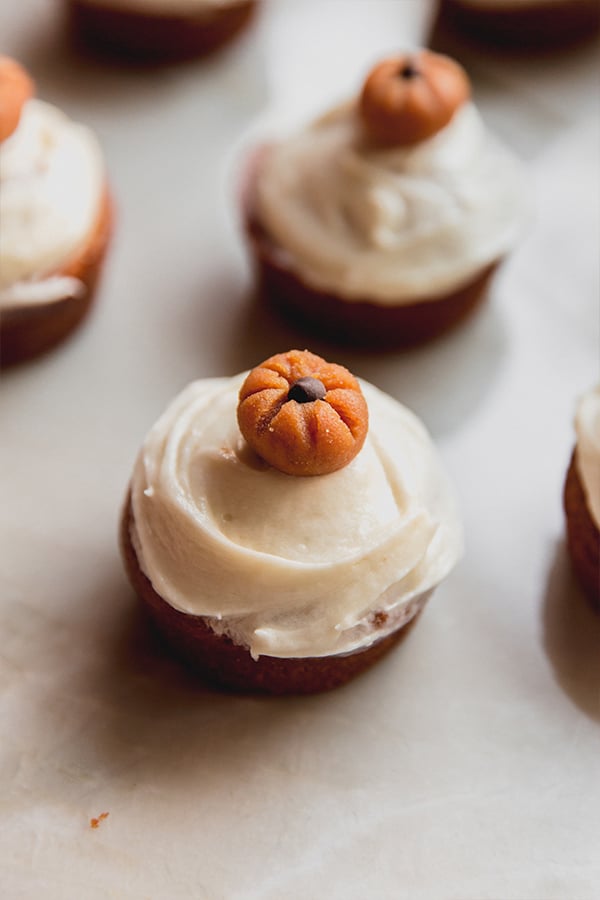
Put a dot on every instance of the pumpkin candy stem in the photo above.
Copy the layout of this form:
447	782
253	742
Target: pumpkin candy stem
301	414
408	71
307	389
409	98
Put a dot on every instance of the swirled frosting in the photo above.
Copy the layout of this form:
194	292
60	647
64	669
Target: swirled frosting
289	566
51	184
392	225
587	427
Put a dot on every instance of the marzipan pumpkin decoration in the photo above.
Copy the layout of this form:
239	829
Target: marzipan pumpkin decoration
301	414
16	87
409	98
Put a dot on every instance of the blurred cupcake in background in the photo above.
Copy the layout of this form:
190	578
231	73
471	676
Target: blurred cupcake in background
158	30
55	219
381	223
582	496
526	24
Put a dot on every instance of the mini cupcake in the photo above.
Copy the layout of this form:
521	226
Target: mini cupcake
55	219
582	497
382	222
526	24
284	526
159	30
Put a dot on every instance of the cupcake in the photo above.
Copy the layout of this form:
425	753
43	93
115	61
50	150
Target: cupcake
159	30
582	497
55	219
526	24
285	526
382	222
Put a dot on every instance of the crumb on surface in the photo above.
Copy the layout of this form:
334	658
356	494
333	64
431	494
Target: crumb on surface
95	822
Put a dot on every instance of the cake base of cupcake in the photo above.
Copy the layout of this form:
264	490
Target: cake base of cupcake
360	323
28	331
230	666
523	25
153	37
583	538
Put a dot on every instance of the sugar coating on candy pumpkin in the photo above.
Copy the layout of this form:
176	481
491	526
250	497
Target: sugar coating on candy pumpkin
16	87
409	98
303	415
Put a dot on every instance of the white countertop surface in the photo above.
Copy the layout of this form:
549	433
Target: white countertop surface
466	766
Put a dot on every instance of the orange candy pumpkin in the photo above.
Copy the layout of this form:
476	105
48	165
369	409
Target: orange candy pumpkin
16	87
301	414
409	98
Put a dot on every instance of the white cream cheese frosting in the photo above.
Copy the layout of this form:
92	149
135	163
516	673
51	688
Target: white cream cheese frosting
51	186
290	566
587	427
166	7
392	225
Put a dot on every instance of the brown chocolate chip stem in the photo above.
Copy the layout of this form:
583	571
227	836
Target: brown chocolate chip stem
303	415
408	71
306	390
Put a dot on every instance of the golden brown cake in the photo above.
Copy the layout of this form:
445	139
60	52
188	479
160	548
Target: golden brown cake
271	582
159	30
581	497
381	223
55	220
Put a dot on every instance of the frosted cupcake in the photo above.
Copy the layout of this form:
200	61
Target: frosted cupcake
527	24
55	219
285	526
382	222
157	30
582	497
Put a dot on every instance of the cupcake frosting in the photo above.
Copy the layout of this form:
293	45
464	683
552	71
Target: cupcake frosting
51	184
290	566
391	225
587	427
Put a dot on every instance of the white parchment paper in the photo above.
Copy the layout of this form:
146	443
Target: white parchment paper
466	766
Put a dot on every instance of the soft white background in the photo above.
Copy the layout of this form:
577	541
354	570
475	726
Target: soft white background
464	767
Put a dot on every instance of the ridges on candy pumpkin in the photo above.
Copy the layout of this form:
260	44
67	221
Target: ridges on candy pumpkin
303	415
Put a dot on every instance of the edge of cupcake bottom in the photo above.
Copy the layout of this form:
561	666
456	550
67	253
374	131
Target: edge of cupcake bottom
230	666
165	37
537	26
583	538
29	331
